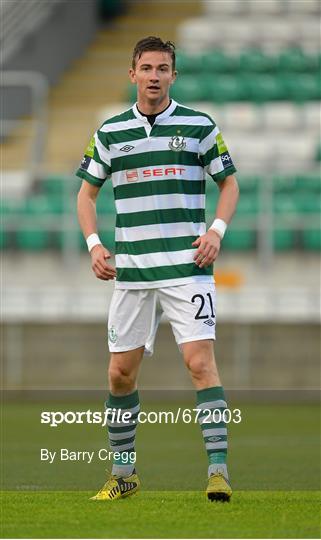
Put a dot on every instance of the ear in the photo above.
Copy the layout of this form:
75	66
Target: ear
174	77
132	76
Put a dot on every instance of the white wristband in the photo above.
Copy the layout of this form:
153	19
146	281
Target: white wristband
219	226
92	241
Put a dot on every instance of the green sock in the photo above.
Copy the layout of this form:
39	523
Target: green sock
122	434
214	433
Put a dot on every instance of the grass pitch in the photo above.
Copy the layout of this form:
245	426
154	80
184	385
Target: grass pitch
274	466
166	514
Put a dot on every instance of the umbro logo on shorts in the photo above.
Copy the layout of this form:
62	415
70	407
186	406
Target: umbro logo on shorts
209	322
127	148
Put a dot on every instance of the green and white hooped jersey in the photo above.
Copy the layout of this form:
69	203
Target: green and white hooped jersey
158	174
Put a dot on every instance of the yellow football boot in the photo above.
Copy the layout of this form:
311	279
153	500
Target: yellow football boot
118	487
218	488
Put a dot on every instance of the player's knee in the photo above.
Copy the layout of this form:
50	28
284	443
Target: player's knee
199	359
199	366
120	377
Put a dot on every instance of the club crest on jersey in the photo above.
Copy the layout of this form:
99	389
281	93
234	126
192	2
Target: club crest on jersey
177	144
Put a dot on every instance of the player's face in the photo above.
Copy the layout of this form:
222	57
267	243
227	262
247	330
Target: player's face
153	75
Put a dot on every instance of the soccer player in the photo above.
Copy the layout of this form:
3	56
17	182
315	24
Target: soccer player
157	154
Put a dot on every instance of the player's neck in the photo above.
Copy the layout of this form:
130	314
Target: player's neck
147	108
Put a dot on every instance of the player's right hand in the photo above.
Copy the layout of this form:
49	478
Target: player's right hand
99	255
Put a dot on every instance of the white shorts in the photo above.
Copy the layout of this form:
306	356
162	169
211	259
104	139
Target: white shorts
134	315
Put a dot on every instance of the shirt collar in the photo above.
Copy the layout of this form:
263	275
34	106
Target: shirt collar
164	114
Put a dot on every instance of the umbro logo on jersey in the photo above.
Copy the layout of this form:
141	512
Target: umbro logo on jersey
209	322
127	148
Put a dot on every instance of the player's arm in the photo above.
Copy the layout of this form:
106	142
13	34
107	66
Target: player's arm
209	244
86	208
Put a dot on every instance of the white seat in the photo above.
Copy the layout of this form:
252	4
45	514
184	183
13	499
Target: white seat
219	7
265	7
240	116
311	116
303	7
281	116
197	35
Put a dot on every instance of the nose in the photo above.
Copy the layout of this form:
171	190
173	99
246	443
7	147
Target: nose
154	76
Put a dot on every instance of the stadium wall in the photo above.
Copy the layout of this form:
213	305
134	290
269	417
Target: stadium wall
50	50
74	356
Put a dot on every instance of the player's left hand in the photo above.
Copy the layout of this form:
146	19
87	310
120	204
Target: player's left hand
208	248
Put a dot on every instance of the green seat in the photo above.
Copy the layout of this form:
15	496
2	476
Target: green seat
283	239
239	240
263	88
318	152
33	240
284	183
309	203
131	94
312	239
308	182
256	61
249	184
188	88
303	87
248	204
217	61
225	88
188	64
295	60
286	203
108	239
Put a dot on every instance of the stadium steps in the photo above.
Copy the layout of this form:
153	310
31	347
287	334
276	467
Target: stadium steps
95	80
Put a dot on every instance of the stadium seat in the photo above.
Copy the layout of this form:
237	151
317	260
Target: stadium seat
263	88
217	61
188	63
108	239
308	182
311	239
295	60
256	61
248	184
33	239
239	240
301	88
283	239
318	152
284	183
224	88
189	88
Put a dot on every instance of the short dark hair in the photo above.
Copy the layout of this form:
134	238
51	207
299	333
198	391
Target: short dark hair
152	43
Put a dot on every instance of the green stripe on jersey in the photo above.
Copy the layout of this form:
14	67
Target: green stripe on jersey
159	187
150	217
160	273
155	245
152	159
181	131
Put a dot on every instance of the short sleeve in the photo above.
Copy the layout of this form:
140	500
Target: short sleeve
95	165
214	155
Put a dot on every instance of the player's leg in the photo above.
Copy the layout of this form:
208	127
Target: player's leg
191	311
200	361
129	336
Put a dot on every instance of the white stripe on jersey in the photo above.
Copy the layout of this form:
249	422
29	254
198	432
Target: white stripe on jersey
159	202
186	121
209	141
150	260
215	166
102	151
121	126
96	169
162	230
151	144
